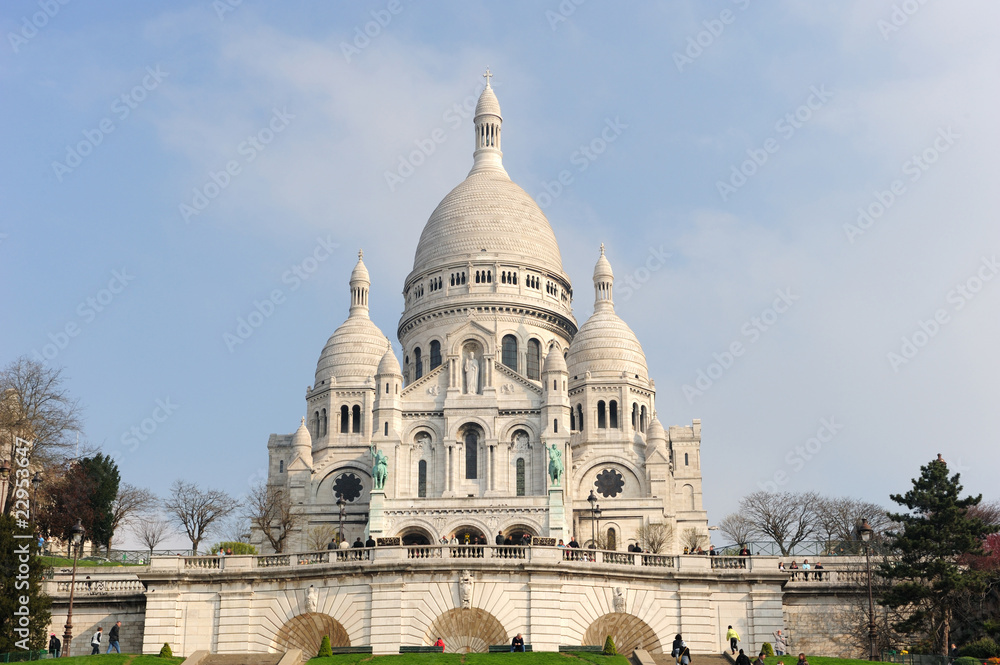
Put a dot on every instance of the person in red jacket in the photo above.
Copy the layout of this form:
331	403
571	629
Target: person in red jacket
440	643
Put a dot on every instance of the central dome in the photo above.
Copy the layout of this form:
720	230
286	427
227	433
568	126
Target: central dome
487	211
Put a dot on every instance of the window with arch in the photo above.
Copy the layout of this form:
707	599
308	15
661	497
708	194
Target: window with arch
613	414
345	418
422	478
685	459
387	388
687	492
418	363
555	425
579	417
635	415
471	456
315	422
356	413
385	432
281	466
520	476
572	420
602	416
435	354
534	358
612	541
642	418
509	352
322	423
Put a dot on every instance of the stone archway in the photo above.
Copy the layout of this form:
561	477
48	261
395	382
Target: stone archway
306	632
629	633
466	631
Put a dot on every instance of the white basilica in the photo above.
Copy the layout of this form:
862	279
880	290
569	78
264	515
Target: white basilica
505	416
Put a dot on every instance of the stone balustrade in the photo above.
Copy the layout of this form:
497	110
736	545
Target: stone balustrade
96	587
499	553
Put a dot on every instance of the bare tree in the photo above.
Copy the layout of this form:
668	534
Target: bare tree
269	508
838	519
784	517
35	406
988	512
237	529
738	527
693	539
151	531
195	510
653	536
130	504
320	535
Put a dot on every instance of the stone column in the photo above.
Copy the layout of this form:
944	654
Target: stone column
376	514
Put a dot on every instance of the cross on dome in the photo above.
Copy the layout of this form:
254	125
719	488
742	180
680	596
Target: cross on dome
488	75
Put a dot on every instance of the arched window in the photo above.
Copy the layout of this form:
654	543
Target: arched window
572	420
555	425
555	384
685	459
387	388
418	362
356	413
435	354
613	414
579	417
509	354
534	358
612	542
520	476
471	456
344	420
635	415
422	478
642	419
602	418
386	431
281	466
687	492
315	429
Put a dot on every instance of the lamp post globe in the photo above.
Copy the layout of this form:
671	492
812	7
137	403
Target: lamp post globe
592	500
865	532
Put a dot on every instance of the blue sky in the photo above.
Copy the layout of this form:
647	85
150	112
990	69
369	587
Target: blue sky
834	161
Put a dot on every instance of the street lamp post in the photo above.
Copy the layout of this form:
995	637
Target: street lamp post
36	480
343	511
865	531
4	472
77	539
592	500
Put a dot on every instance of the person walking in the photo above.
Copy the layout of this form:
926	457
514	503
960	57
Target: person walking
685	656
95	642
742	659
517	644
113	637
55	646
675	648
734	639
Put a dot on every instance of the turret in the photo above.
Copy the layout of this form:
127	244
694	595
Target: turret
388	412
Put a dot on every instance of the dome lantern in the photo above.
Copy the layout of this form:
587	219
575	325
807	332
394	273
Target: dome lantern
488	122
360	282
604	281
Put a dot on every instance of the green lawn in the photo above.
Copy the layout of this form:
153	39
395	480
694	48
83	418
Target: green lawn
820	660
118	659
63	562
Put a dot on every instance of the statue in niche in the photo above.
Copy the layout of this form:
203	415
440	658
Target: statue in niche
555	464
471	374
312	599
465	589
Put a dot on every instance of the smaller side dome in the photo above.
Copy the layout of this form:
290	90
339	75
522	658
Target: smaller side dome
554	361
389	365
302	438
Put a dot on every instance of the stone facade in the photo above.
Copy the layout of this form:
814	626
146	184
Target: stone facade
496	380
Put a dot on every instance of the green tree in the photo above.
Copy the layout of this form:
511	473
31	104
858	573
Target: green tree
104	480
15	585
927	577
609	647
324	648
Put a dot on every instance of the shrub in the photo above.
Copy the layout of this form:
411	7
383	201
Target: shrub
324	648
609	647
237	548
993	661
982	649
767	649
966	660
165	652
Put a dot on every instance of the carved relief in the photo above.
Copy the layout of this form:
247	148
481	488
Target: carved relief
619	599
465	589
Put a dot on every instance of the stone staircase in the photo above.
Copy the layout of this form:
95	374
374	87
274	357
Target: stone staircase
696	659
292	657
